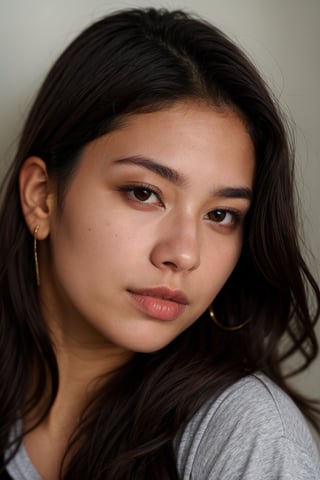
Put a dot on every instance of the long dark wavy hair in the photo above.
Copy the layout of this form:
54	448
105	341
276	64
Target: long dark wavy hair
144	60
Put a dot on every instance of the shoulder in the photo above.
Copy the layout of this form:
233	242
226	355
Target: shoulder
252	430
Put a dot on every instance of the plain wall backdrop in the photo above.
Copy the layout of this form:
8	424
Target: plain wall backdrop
281	36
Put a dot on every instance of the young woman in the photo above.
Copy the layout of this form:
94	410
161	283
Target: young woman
151	282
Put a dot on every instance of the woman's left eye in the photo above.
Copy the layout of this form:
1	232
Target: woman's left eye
223	217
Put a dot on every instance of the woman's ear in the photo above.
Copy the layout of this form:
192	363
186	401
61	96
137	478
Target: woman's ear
37	200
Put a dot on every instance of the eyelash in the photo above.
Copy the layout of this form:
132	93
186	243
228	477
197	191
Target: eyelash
235	220
130	191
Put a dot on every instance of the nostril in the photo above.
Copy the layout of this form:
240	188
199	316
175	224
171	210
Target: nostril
171	264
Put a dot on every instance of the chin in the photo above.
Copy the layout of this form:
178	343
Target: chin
150	346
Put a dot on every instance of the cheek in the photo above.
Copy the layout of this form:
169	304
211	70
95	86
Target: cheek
92	249
231	257
222	258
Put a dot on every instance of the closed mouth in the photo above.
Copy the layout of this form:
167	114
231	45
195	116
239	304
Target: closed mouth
163	293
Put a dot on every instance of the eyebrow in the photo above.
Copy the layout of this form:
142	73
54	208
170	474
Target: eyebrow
168	173
234	192
179	179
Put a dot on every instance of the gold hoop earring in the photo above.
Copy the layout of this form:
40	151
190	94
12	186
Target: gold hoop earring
35	253
232	328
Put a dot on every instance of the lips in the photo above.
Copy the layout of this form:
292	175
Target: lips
160	303
163	293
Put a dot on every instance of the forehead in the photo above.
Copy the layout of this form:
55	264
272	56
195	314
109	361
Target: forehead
197	140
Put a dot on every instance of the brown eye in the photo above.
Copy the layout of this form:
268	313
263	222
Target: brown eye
217	215
142	194
224	217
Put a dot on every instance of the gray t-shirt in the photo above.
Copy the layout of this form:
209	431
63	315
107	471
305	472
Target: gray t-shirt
252	431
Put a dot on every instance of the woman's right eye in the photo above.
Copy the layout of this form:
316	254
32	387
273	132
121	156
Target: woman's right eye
141	194
144	195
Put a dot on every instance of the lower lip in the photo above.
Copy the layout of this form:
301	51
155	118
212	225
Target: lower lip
157	307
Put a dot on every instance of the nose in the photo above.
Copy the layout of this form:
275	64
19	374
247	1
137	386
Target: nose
177	246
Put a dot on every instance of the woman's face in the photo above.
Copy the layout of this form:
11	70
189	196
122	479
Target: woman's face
151	227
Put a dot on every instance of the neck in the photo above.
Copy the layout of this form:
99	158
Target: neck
84	359
82	365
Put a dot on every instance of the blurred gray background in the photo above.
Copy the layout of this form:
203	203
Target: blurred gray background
281	36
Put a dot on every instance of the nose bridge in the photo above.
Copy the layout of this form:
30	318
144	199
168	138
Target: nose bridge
178	244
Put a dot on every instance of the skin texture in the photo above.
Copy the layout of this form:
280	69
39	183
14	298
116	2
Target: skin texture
107	242
113	236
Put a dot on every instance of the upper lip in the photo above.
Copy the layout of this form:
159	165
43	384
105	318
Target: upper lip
164	293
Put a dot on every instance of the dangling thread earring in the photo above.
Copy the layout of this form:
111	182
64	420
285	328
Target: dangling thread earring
35	252
224	327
